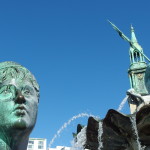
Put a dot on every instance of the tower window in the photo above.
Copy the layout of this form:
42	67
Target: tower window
136	56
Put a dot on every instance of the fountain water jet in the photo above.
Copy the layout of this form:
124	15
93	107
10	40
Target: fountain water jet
123	103
68	123
81	139
135	131
100	132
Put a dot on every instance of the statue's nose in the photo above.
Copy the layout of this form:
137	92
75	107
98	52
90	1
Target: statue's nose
20	98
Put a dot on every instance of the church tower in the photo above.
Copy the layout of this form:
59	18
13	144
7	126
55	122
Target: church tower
137	67
136	71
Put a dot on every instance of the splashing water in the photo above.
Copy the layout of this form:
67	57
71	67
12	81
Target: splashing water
81	140
68	123
122	103
100	132
133	120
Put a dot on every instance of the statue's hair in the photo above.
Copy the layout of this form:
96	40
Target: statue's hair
147	78
11	69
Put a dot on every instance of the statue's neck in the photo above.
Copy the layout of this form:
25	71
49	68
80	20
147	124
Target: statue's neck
4	146
13	141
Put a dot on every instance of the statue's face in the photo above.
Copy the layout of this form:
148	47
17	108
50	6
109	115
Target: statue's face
18	104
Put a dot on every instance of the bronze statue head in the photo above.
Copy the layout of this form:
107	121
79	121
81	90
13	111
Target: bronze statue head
19	97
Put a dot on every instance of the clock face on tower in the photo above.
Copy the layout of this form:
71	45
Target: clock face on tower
140	76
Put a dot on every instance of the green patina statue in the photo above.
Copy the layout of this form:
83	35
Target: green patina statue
138	72
19	97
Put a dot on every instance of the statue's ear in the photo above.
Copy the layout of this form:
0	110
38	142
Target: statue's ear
147	78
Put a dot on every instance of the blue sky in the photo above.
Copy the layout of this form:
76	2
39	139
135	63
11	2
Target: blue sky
78	59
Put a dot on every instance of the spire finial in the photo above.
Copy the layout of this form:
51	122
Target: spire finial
133	37
132	27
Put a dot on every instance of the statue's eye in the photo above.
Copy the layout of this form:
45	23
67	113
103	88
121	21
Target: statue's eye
5	91
27	92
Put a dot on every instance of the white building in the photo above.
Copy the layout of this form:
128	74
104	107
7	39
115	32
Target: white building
60	148
64	148
37	144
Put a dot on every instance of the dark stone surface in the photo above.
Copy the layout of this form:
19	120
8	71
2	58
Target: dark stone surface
119	132
143	124
92	134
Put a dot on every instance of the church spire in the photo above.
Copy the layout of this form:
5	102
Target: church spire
133	45
135	55
138	65
137	68
133	37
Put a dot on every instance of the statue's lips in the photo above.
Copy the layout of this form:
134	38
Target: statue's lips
20	110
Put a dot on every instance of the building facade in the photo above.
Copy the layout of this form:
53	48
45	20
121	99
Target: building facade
41	144
37	144
60	148
64	148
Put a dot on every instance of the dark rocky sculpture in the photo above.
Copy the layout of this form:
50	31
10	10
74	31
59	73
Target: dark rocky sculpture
119	132
19	96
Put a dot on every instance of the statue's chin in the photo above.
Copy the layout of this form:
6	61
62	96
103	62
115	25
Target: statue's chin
20	124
